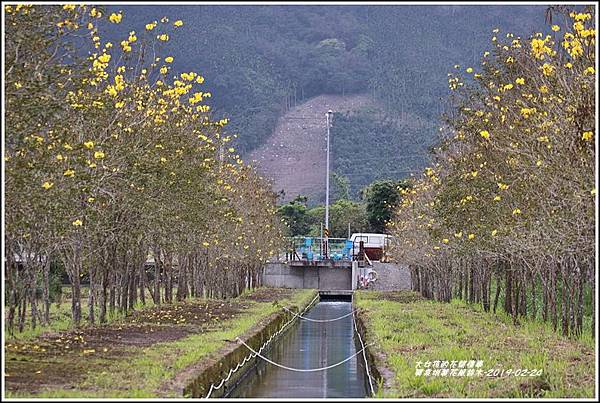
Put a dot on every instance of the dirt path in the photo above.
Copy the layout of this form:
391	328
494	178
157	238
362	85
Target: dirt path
294	157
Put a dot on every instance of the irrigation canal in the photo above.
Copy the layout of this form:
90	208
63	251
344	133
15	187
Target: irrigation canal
309	345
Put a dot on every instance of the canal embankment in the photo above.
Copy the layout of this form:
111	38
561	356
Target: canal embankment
424	348
318	357
219	374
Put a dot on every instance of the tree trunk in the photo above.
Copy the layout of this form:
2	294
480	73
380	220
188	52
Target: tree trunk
32	296
508	291
498	288
46	290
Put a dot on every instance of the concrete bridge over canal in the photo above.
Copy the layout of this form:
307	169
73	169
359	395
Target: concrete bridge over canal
329	275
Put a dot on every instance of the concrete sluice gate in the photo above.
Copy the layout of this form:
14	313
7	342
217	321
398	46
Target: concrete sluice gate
308	345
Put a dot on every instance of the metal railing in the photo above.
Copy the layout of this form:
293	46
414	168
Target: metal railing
301	248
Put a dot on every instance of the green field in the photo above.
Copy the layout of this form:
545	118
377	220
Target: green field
407	329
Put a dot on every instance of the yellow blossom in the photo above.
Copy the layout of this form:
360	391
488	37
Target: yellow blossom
98	155
89	144
125	46
77	223
115	18
47	185
169	59
516	211
178	23
520	80
587	136
105	58
547	69
69	173
485	134
471	236
494	232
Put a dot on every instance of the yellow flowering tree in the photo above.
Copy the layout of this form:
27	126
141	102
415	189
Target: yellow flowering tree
112	160
508	213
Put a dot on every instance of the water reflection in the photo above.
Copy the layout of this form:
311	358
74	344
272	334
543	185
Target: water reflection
311	345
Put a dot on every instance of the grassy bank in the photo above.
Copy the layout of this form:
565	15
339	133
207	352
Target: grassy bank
407	329
137	355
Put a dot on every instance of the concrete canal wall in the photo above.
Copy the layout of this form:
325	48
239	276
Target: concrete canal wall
197	383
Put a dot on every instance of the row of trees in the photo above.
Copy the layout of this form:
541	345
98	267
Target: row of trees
505	217
113	161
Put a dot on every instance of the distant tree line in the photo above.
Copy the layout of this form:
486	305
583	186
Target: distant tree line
371	214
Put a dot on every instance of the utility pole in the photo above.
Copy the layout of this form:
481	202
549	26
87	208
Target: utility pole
321	251
326	239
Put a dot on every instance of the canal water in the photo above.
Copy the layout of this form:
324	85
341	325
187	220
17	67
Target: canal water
309	345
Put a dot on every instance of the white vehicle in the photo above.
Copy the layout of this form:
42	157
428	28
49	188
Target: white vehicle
374	245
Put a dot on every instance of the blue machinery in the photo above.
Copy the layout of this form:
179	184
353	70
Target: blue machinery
311	249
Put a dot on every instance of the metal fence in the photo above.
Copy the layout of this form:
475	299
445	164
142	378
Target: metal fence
311	249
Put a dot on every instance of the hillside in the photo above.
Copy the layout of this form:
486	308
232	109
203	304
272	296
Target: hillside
294	156
260	60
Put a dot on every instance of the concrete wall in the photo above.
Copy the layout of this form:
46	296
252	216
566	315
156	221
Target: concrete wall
322	278
282	275
335	279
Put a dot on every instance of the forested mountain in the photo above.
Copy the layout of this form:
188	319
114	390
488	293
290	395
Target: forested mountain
262	60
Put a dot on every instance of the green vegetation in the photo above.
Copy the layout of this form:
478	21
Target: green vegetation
382	198
407	329
117	370
379	201
365	144
305	221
